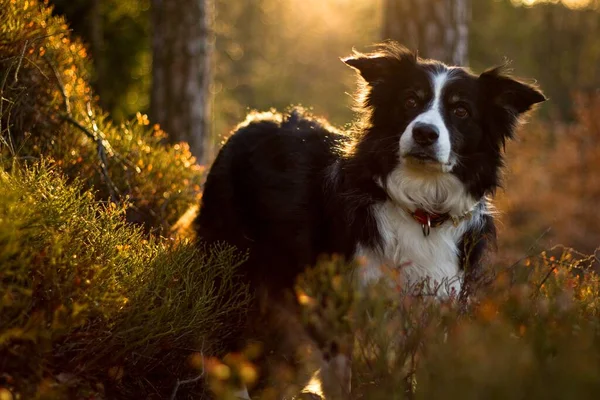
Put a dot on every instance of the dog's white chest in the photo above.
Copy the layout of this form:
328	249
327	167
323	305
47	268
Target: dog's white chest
407	256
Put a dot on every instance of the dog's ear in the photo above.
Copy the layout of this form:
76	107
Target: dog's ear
514	96
376	66
371	68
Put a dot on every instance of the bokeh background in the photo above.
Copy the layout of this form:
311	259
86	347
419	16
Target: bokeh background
275	53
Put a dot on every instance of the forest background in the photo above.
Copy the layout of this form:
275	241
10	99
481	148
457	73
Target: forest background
273	54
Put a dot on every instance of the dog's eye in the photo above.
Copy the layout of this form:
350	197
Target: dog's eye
411	103
461	112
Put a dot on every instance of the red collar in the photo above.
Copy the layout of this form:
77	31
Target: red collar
429	220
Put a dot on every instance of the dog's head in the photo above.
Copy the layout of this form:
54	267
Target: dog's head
430	117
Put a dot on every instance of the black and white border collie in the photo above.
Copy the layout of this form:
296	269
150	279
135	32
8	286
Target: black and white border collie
407	189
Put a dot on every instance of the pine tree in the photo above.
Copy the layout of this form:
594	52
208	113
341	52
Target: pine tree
182	49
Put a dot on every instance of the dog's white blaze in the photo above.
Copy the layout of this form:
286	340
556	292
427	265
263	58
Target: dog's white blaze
404	248
410	257
407	257
432	116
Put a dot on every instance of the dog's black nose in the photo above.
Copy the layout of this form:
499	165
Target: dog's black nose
425	134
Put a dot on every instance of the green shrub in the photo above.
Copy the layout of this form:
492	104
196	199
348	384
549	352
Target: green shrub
48	110
86	299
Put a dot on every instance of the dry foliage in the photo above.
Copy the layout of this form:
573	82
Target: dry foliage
552	188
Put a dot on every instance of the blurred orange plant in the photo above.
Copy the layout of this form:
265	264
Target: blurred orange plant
551	186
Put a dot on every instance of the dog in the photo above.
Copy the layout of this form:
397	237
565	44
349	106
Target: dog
406	189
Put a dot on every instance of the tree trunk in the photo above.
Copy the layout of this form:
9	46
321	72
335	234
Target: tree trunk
181	73
96	35
435	28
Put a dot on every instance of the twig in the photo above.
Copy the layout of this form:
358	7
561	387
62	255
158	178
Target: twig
86	131
530	249
4	78
33	39
105	142
560	263
102	144
33	63
20	61
61	86
539	288
192	380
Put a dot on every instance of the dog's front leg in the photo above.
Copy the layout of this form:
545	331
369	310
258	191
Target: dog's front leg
336	377
332	381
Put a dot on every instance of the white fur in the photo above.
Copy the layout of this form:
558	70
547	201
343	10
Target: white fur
404	250
436	192
433	116
410	256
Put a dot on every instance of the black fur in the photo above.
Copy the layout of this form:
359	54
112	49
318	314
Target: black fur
266	193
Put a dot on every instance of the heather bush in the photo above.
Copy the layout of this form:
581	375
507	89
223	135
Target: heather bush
87	303
48	110
532	331
92	306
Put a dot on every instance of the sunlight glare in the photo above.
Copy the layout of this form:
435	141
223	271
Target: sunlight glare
574	4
